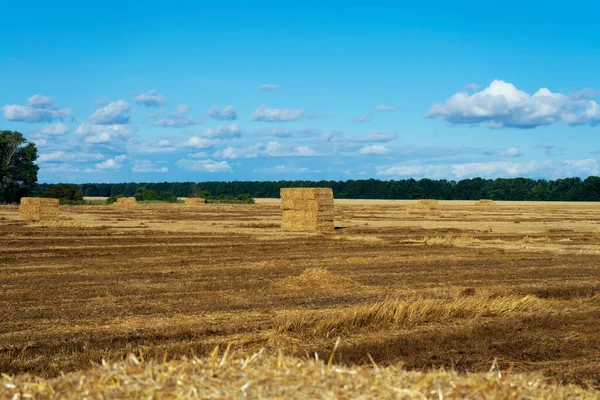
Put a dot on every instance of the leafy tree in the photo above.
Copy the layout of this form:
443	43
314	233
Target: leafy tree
143	194
246	198
112	199
18	173
64	191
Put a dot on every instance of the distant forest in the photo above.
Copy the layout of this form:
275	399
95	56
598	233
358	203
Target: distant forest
568	189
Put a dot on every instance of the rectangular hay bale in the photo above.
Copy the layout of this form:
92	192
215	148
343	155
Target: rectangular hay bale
126	203
485	203
194	201
38	209
424	207
307	209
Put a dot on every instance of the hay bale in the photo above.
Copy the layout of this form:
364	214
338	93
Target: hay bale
194	201
424	207
38	209
307	209
485	203
126	203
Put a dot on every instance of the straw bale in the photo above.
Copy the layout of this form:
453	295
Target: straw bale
423	207
126	203
263	375
194	201
485	203
307	209
38	209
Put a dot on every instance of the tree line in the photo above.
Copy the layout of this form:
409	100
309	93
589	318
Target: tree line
518	189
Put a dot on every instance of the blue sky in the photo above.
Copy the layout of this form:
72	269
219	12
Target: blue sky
178	91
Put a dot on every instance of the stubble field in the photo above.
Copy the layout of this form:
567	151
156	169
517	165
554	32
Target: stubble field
516	284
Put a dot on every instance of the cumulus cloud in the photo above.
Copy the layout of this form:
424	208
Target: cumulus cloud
199	143
416	171
383	107
285	133
284	169
55	129
271	149
223	132
494	169
204	165
72	156
375	136
472	87
262	113
178	119
226	113
144	166
40	101
511	152
112	113
268	87
374	149
502	105
332	136
38	109
109	164
39	142
104	134
363	118
150	99
549	149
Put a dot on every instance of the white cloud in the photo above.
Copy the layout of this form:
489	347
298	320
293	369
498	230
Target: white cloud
363	118
227	113
383	107
58	168
284	169
374	149
494	169
285	133
178	119
223	132
268	87
416	171
198	155
332	136
55	129
40	142
40	101
199	143
63	156
262	113
511	152
150	99
204	165
38	109
578	167
271	149
472	87
110	163
246	152
502	105
104	134
375	136
112	113
147	166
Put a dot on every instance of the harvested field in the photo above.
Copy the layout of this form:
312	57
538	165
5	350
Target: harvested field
518	283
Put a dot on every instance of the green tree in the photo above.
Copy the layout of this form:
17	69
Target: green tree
64	191
18	173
